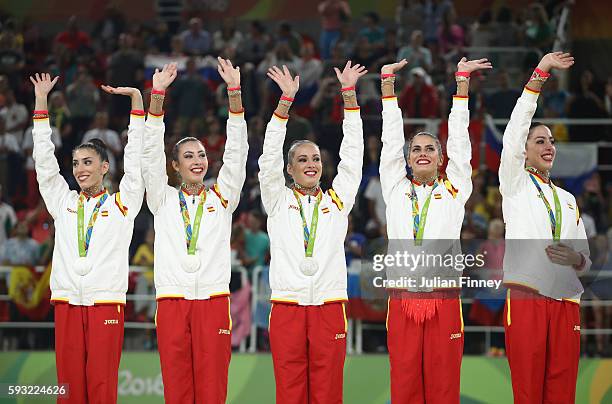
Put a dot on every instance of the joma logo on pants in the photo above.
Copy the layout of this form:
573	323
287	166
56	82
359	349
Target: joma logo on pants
340	336
226	332
106	322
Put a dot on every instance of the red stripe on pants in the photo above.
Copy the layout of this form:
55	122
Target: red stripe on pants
425	357
88	342
543	347
194	344
308	349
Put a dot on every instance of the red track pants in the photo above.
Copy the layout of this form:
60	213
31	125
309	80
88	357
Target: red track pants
543	347
308	350
88	342
425	357
194	343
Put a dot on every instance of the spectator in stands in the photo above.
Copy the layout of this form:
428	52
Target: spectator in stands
373	32
538	30
190	94
309	69
500	103
73	38
8	219
12	59
354	243
419	99
434	13
15	116
108	28
333	14
176	46
377	225
482	33
450	34
227	37
59	113
196	41
364	52
556	100
409	17
327	103
82	97
160	40
125	68
257	242
585	103
287	35
213	140
506	31
387	53
254	47
10	157
20	249
100	130
347	41
416	54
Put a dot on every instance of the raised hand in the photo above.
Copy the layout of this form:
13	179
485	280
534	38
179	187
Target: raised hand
162	79
469	66
288	85
556	60
393	67
43	84
229	73
129	91
350	74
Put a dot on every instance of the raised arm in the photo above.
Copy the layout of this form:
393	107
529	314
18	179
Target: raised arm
271	177
346	183
392	159
517	130
131	186
52	185
458	146
153	155
233	172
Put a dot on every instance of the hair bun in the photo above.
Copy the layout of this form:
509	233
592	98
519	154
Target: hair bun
98	142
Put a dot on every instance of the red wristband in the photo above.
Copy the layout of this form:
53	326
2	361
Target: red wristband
386	75
283	98
41	112
139	112
347	89
542	73
160	92
233	88
462	74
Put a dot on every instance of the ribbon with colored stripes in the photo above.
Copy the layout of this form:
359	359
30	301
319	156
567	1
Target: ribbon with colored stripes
419	219
555	218
309	234
84	235
191	235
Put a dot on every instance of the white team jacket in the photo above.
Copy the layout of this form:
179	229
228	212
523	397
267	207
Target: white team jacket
528	229
107	282
447	205
285	228
213	276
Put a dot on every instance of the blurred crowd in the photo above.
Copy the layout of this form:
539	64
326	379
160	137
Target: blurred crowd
427	33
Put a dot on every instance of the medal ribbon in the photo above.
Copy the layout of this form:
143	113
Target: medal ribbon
85	236
191	236
309	235
418	220
555	218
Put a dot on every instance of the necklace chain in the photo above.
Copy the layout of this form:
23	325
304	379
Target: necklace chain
306	190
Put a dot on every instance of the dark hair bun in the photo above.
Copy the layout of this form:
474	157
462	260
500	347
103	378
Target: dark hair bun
98	143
